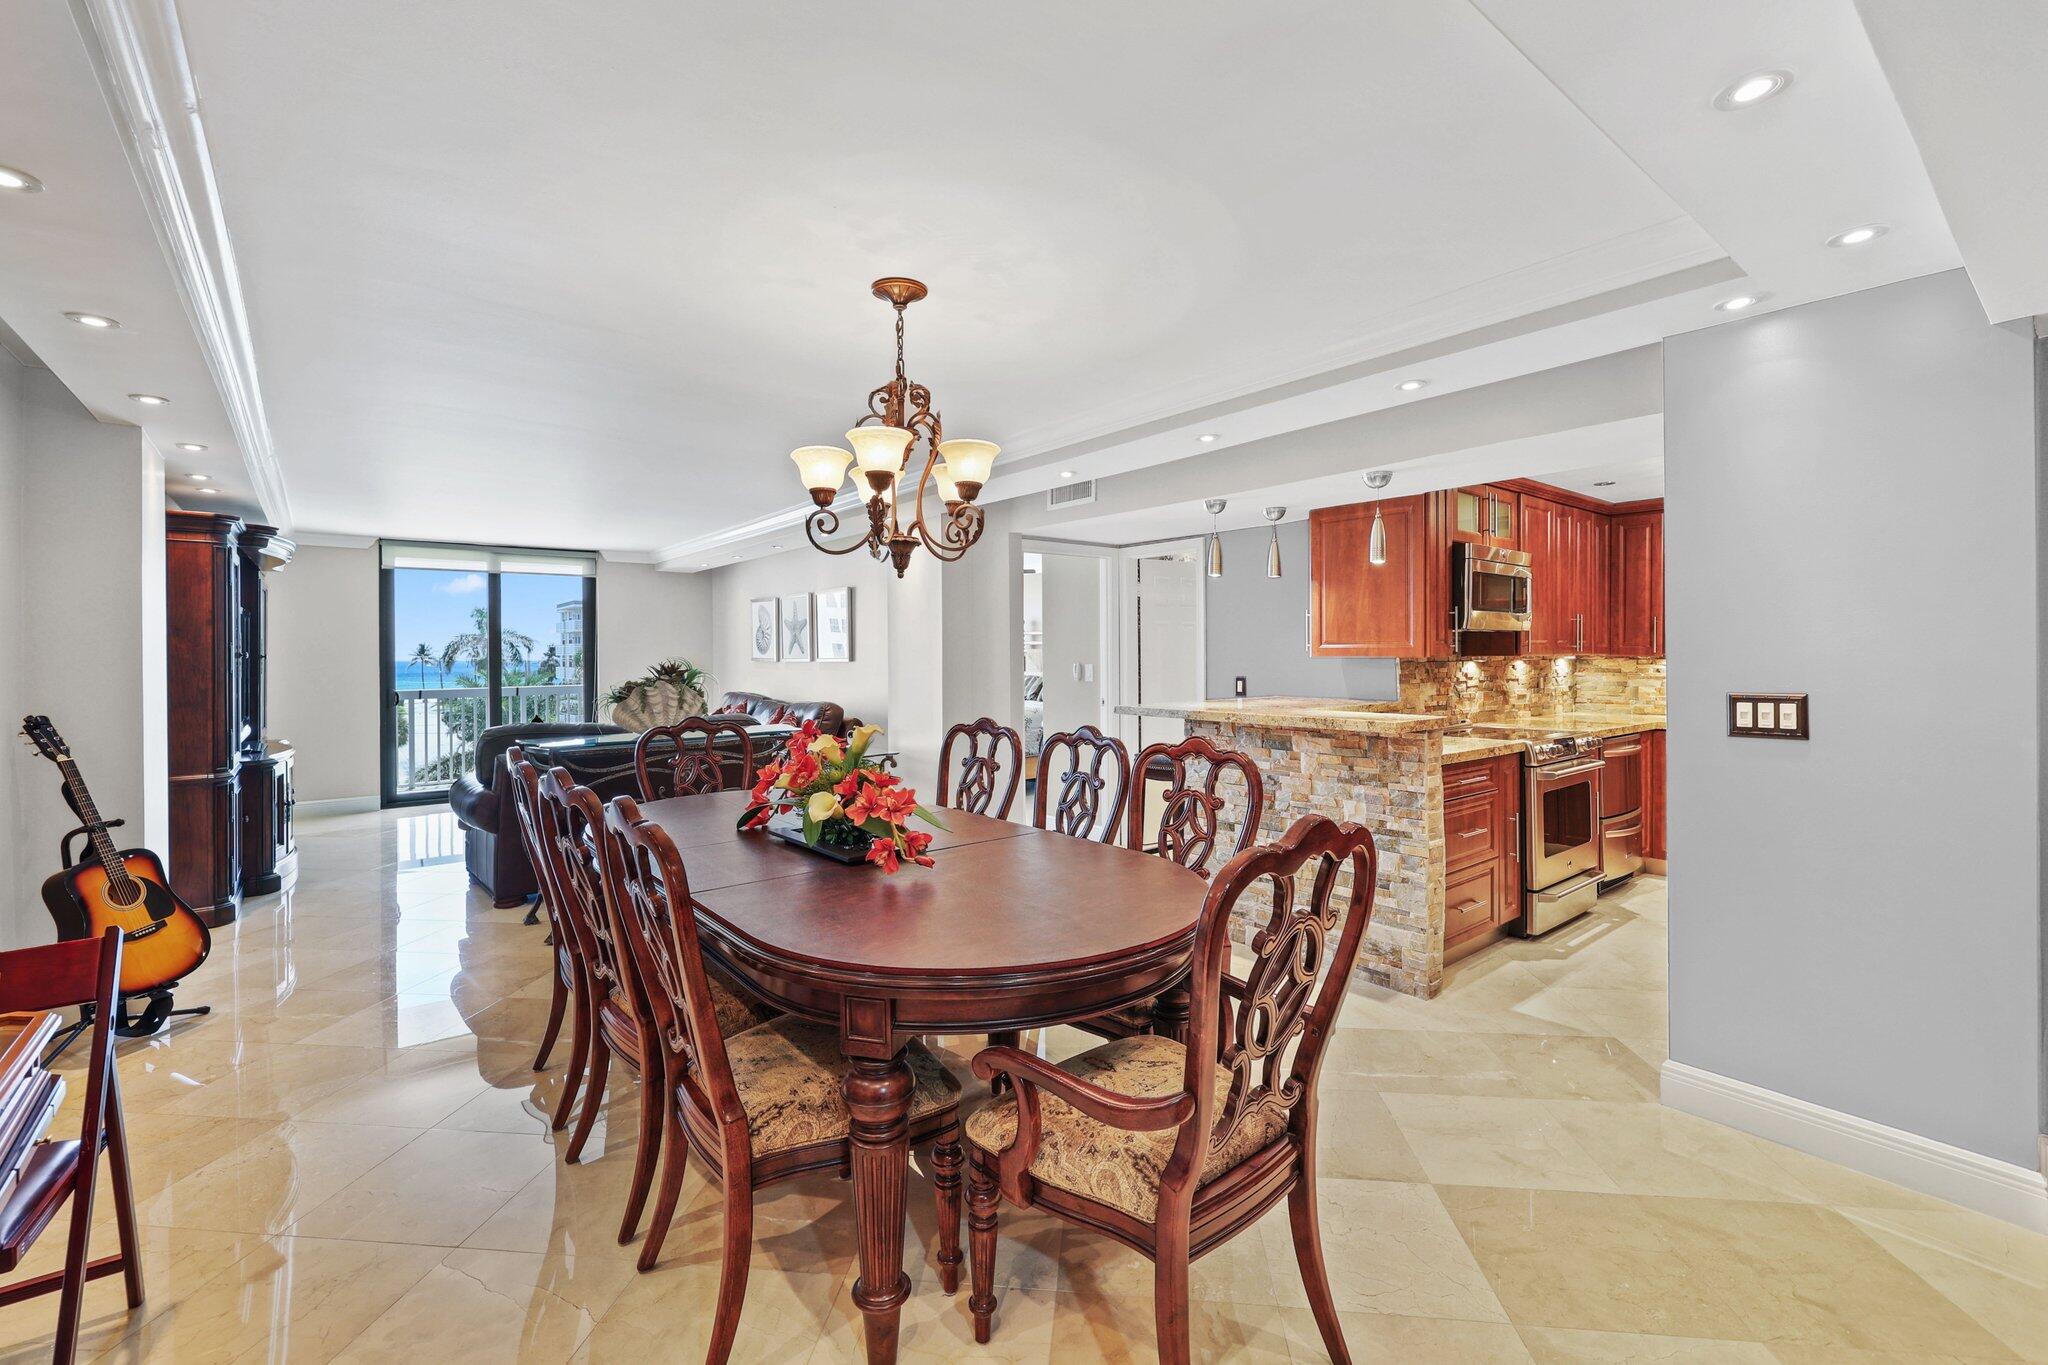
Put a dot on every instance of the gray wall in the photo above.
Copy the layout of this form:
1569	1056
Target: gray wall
1856	921
1258	627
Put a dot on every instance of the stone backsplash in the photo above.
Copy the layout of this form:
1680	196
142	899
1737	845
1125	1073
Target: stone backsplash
1391	784
1533	687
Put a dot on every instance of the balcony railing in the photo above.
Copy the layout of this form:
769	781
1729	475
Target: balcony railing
437	727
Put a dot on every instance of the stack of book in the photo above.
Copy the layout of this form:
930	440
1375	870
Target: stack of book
30	1093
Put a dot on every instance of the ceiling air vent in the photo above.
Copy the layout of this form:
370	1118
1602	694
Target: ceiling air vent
1075	494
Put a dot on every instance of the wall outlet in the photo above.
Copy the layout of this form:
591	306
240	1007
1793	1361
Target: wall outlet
1239	684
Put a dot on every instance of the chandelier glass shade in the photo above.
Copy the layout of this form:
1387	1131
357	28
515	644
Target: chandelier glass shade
901	419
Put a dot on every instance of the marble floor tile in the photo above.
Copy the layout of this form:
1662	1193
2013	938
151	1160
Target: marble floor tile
351	1159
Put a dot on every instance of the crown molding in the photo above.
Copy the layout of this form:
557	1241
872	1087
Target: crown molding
334	540
684	556
138	53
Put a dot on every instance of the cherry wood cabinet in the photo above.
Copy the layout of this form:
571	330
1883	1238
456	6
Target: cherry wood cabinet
1396	610
1485	515
1546	537
231	801
1636	583
1653	798
1589	578
1482	851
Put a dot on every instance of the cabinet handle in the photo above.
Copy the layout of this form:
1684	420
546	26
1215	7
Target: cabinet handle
1468	905
1474	833
1656	633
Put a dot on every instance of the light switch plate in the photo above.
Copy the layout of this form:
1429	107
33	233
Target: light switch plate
1769	715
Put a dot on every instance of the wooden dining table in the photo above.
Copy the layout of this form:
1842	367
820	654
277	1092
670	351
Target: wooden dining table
1014	928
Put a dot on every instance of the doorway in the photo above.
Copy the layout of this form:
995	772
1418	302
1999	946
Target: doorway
474	637
1069	642
1163	645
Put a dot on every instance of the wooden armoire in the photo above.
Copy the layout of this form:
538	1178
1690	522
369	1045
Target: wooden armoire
231	790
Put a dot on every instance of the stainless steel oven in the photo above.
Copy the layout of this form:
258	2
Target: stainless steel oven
1490	587
1561	826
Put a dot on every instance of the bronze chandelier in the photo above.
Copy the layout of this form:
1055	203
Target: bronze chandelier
899	414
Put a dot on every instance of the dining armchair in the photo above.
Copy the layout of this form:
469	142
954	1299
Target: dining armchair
1174	1148
755	1107
1182	822
568	974
970	783
1094	784
664	767
613	1013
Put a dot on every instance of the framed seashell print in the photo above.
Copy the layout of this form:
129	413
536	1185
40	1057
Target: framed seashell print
765	636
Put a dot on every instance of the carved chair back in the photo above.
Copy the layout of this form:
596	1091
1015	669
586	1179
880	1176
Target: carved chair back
651	892
1268	1031
665	766
1186	830
982	768
571	830
526	805
1094	785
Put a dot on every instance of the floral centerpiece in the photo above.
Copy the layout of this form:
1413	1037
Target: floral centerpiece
824	793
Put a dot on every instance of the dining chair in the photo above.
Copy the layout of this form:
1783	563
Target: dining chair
1181	821
1172	1148
83	972
973	786
613	1011
692	771
525	805
755	1107
1094	785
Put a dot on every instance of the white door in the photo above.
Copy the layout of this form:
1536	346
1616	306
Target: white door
1162	621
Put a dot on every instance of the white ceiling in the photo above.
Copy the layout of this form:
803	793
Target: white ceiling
514	273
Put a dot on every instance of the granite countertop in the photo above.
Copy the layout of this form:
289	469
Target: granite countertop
1298	713
1584	724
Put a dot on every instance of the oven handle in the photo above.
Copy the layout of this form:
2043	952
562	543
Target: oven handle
1556	774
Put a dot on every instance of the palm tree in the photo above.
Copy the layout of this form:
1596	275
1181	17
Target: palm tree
424	657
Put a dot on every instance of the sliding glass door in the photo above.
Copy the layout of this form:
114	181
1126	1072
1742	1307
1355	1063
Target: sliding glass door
474	637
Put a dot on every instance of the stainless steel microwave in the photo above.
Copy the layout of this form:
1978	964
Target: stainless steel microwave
1490	587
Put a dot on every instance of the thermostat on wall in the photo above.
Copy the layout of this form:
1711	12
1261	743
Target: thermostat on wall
1767	715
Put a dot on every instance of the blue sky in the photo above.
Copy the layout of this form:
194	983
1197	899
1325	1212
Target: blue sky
432	606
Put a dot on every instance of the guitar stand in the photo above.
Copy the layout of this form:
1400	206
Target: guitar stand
129	1022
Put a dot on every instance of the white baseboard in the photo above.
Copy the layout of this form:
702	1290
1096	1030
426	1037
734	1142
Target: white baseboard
1970	1179
340	805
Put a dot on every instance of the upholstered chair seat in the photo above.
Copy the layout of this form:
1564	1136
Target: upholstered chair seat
1115	1166
788	1074
736	1011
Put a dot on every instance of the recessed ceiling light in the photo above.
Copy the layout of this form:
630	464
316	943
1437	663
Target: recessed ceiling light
1603	483
774	547
1066	473
200	478
11	179
210	492
1739	302
98	321
1411	385
193	446
1208	438
1752	89
1857	236
150	400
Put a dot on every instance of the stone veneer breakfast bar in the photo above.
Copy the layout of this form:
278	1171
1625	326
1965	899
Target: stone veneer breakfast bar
1352	761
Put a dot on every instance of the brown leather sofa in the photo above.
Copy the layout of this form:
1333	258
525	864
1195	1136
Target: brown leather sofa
830	715
483	803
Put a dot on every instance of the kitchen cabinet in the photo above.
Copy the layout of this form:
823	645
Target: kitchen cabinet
1485	516
1621	807
1653	800
1396	610
1636	584
1482	851
1568	550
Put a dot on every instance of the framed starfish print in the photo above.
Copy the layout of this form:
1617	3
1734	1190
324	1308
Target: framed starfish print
796	628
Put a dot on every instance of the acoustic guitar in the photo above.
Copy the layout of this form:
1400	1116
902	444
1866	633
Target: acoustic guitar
162	940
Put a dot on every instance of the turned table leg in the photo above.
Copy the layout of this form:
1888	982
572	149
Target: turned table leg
1170	1011
878	1098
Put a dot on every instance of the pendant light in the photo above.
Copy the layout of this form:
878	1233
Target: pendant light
1273	515
1376	544
1215	507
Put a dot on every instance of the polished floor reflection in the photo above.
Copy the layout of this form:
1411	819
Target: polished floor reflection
349	1161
